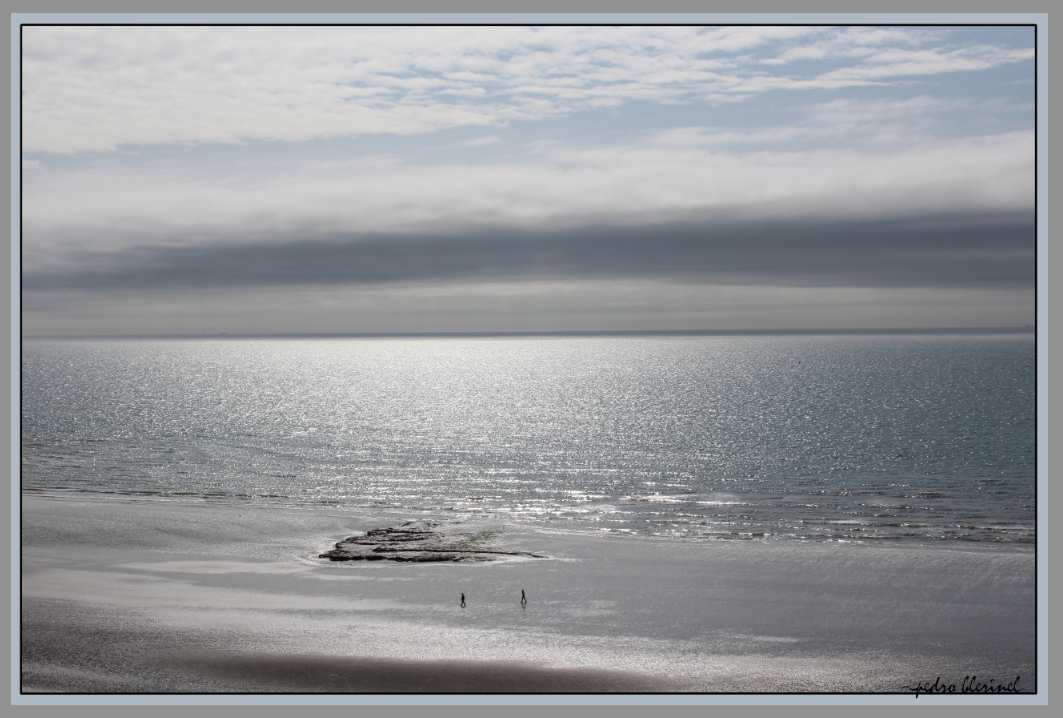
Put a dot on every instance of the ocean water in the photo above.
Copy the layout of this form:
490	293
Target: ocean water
895	439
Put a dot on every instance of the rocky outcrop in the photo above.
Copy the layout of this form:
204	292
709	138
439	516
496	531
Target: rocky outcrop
420	542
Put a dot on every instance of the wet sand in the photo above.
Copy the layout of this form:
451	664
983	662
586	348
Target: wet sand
123	596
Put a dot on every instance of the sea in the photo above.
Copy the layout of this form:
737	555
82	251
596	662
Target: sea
889	439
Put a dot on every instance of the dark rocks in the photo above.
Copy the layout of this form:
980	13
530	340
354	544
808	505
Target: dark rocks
420	542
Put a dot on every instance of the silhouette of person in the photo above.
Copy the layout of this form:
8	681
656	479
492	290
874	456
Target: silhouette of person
463	600
523	598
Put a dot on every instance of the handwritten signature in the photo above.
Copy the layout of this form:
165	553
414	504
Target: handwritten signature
970	684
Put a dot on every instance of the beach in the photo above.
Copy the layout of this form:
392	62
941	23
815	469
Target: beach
129	596
433	359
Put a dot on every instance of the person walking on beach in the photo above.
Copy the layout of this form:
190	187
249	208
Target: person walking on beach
523	598
463	600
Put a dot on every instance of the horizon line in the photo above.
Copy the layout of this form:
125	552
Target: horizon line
1027	329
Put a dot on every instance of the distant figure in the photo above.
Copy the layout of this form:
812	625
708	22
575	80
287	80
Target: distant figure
523	598
463	600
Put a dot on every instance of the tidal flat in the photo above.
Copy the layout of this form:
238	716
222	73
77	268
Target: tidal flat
148	596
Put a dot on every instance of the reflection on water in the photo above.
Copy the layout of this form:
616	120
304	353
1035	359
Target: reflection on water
818	438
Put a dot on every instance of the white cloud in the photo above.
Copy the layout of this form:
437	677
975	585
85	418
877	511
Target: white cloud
559	186
96	88
479	141
904	124
900	63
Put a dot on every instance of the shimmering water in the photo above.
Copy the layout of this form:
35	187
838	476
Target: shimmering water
802	438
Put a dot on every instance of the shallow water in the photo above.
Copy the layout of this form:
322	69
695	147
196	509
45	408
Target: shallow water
895	439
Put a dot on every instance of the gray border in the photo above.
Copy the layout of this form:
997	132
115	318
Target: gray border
478	17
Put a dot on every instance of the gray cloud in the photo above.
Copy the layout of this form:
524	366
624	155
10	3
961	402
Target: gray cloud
976	251
116	208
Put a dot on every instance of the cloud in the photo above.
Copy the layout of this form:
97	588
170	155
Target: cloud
562	186
895	63
480	141
988	250
907	123
98	88
550	305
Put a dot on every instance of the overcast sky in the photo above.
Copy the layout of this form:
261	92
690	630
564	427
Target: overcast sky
374	179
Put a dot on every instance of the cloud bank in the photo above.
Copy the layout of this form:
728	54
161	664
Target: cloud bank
426	178
973	251
74	215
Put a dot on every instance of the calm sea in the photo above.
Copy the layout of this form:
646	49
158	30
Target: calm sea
871	438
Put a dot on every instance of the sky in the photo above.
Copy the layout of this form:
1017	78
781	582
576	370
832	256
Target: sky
188	180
